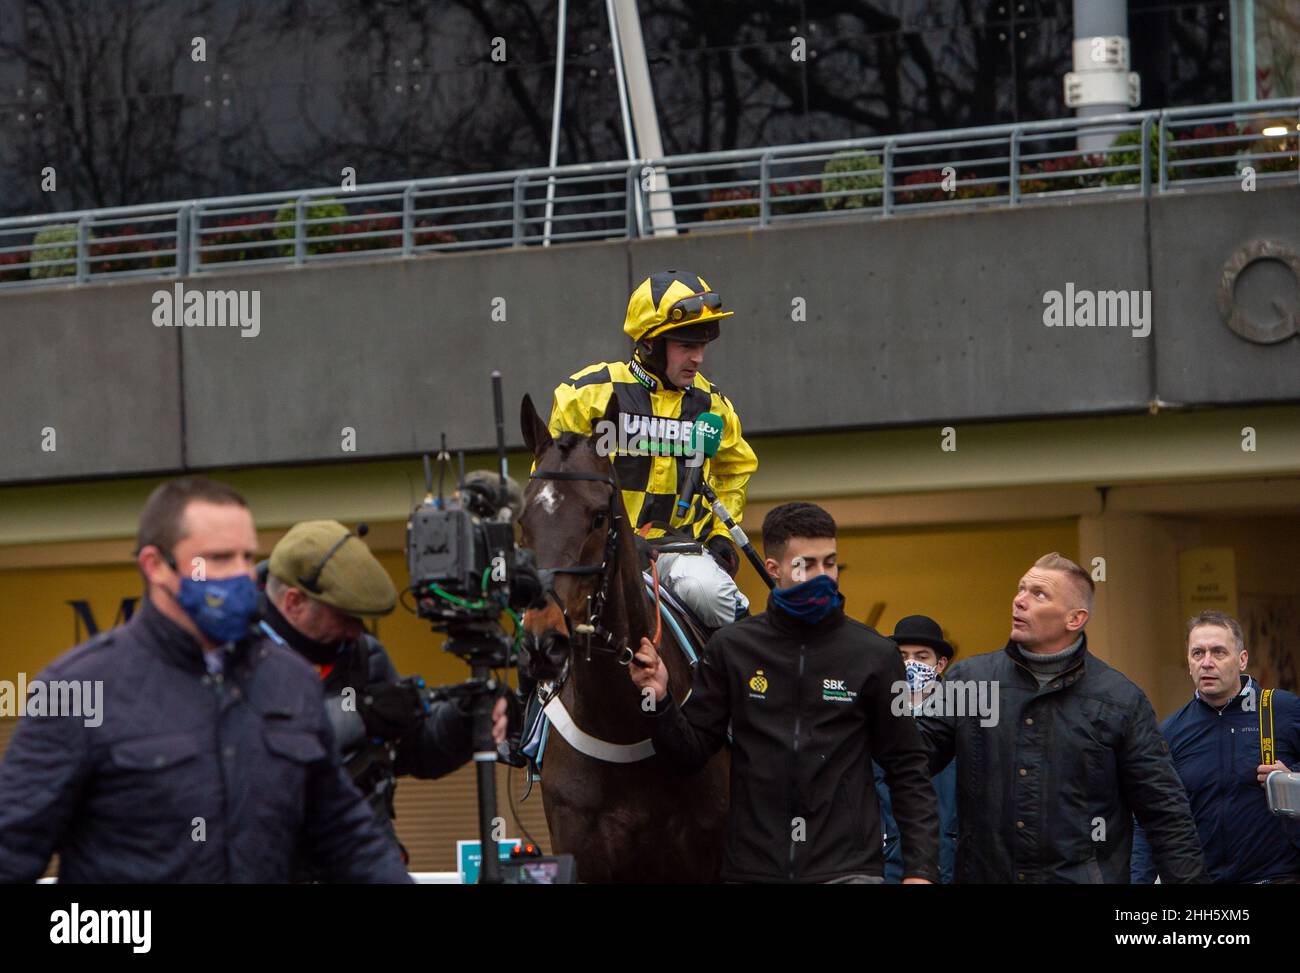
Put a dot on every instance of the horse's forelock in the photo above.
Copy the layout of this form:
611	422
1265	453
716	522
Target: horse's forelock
568	441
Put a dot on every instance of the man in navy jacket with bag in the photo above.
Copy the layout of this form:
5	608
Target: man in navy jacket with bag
1224	743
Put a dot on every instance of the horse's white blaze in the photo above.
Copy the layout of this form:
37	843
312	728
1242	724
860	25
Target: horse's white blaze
549	498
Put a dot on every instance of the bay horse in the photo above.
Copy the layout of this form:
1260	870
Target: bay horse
624	813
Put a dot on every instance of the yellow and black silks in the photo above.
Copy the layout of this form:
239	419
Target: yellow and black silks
650	483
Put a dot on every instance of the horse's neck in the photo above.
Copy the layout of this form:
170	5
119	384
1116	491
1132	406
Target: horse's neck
602	696
606	703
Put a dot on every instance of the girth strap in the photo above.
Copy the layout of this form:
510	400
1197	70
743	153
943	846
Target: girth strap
585	743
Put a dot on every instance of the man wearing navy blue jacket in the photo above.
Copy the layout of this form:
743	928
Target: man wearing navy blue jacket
1215	741
212	759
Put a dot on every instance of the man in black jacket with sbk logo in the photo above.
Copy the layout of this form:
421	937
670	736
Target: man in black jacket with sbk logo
1050	776
808	694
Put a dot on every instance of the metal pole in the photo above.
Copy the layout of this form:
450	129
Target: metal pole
887	182
299	233
485	756
555	121
517	212
1242	16
1101	65
634	183
738	535
645	119
1013	189
83	258
408	220
195	262
181	261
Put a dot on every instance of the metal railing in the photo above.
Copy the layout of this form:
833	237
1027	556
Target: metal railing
1147	153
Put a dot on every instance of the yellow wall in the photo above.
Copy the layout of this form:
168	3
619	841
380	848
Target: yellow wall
1267	549
963	577
40	623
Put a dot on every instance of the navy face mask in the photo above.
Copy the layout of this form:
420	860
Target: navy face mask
222	608
811	601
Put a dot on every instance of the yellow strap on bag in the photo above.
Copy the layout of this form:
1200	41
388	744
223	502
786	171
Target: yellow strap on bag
1266	727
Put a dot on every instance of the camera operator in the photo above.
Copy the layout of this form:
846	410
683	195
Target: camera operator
320	582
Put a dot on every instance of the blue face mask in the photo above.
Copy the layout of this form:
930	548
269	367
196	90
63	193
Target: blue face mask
811	601
222	608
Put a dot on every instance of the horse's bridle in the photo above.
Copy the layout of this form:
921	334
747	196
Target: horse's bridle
591	634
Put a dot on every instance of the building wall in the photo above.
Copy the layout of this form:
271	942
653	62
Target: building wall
911	321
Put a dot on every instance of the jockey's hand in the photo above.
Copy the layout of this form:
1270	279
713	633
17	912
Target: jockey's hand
648	670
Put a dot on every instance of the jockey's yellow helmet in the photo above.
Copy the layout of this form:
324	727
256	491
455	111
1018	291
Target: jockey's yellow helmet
675	303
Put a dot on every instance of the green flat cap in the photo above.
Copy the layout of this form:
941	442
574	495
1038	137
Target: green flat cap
332	564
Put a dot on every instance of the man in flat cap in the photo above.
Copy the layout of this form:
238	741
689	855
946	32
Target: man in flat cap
321	582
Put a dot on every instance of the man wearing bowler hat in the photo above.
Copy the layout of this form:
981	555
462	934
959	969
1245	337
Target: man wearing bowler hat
926	653
320	583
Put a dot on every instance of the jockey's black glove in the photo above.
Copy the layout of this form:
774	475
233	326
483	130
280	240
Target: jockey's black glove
725	553
391	709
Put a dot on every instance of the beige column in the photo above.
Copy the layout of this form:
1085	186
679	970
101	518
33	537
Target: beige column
1136	625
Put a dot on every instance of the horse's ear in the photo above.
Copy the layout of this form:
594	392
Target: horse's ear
536	436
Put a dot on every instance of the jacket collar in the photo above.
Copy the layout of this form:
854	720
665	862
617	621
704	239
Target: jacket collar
173	644
784	622
647	374
1067	678
1247	684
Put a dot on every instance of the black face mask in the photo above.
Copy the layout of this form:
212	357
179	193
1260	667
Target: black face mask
317	653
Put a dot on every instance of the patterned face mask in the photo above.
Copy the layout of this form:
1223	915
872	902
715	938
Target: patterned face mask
919	675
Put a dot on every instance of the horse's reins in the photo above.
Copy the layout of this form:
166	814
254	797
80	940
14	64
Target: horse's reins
593	633
594	629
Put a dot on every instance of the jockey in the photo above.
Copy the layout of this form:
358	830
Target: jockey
659	393
671	318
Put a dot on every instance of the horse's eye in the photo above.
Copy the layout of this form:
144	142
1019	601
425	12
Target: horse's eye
598	522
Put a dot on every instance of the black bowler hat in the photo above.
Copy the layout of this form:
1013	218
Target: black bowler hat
922	630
